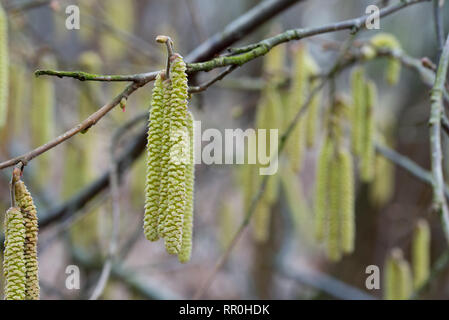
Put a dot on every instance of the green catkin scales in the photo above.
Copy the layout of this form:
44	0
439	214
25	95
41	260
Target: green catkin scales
4	70
186	246
421	254
388	41
296	144
165	157
358	114
13	261
347	202
28	209
321	189
333	216
154	147
367	164
172	223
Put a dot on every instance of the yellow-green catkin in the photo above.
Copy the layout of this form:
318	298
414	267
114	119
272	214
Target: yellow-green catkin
398	277
42	108
4	70
154	149
171	226
314	106
347	216
367	163
321	189
187	230
297	96
13	261
421	254
261	221
382	188
297	204
333	217
120	15
389	41
28	209
358	112
19	90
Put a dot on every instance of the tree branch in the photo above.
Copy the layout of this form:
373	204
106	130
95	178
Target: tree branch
436	113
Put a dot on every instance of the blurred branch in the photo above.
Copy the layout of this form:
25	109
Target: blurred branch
436	112
115	195
26	5
439	25
324	283
408	165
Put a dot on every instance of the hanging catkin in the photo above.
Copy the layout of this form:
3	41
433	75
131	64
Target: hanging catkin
367	164
358	112
296	143
120	15
311	118
333	217
346	201
172	223
421	253
13	260
382	188
388	41
186	246
154	149
4	70
398	277
321	189
28	209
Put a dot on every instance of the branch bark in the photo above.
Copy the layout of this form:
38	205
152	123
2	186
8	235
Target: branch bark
436	113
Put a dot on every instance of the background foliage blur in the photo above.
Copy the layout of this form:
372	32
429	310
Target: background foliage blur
118	37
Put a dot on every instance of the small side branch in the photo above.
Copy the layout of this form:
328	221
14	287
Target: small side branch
436	113
207	84
85	76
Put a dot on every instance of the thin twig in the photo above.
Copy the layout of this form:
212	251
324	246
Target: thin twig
436	112
210	82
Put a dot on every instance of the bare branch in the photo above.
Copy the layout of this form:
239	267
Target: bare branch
436	112
207	84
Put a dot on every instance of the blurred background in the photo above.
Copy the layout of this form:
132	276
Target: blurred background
118	37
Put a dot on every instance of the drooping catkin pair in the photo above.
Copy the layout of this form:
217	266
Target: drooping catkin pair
170	163
388	41
399	281
334	190
4	63
20	267
364	94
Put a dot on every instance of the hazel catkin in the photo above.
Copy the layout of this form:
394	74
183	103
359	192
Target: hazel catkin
321	189
154	147
389	41
421	253
14	267
367	164
187	230
347	216
172	224
28	209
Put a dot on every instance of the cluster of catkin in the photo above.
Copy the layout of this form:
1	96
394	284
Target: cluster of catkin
20	264
276	109
334	194
399	281
170	163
